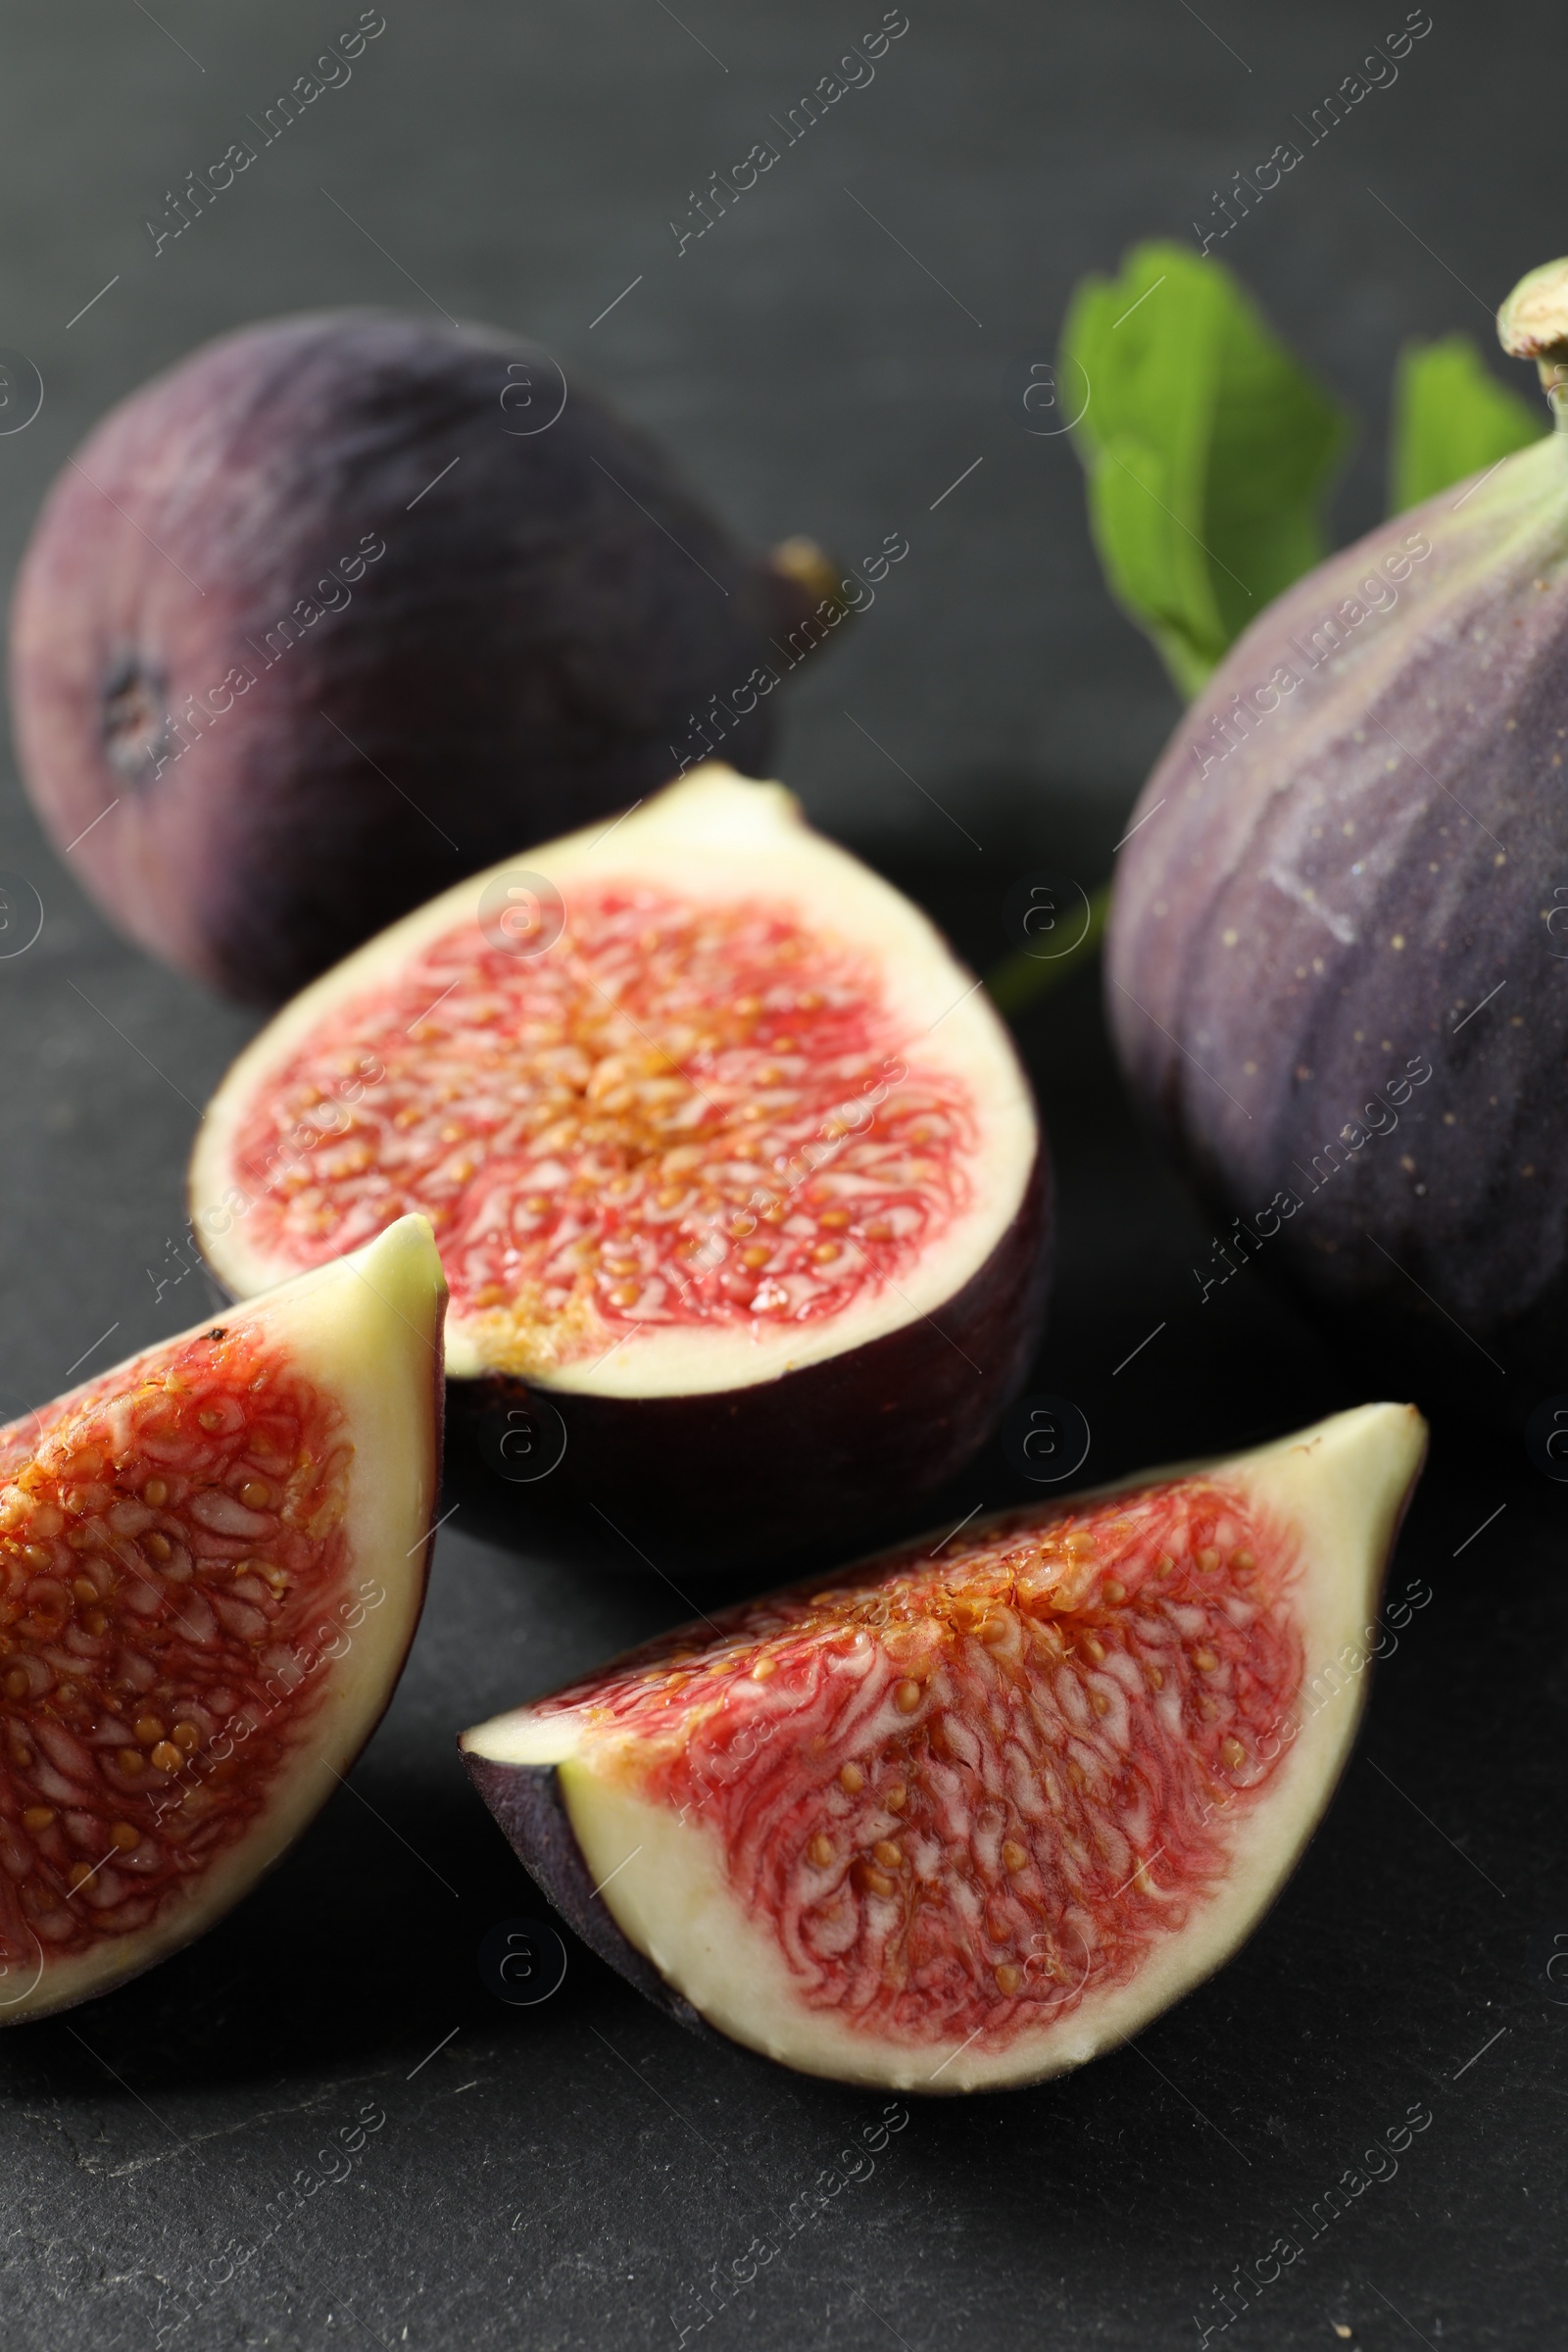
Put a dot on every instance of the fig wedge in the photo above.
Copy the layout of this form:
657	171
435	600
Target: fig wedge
966	1816
211	1564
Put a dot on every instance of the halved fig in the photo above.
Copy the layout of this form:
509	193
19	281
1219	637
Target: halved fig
967	1815
725	1157
211	1564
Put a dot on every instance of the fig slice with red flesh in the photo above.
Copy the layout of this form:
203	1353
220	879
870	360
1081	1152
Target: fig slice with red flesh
971	1813
724	1153
211	1564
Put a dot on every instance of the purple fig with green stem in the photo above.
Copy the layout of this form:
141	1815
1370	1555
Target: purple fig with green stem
1337	954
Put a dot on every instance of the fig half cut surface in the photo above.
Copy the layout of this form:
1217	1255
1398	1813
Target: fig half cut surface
726	1157
967	1816
212	1564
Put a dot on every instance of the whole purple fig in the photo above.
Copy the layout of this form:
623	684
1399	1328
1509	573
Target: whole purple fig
348	606
1338	963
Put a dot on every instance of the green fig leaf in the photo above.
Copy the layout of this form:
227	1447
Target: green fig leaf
1207	445
1451	417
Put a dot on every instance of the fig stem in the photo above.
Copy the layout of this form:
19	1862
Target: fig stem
1019	979
811	569
1533	325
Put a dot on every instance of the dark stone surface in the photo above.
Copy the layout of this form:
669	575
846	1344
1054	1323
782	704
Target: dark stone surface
569	2174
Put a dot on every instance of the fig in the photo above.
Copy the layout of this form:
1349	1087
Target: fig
734	1173
1335	973
349	601
212	1561
971	1813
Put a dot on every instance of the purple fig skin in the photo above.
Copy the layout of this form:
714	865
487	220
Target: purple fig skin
1369	884
527	1805
825	1447
545	622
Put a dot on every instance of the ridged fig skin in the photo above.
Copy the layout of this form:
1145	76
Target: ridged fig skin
1305	925
827	1448
519	661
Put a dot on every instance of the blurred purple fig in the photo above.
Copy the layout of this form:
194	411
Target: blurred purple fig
348	606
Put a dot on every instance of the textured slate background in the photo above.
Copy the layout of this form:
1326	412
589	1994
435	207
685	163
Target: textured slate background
571	2174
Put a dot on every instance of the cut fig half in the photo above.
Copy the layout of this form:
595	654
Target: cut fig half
211	1564
727	1159
967	1816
